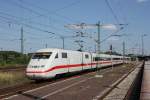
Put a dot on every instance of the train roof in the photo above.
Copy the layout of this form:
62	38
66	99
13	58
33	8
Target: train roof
48	50
57	49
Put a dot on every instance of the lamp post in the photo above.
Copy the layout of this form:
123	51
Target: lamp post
63	41
111	49
111	57
142	36
123	49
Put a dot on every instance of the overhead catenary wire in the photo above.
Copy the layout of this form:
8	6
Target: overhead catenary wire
12	2
7	34
35	12
27	25
55	11
111	35
32	26
112	11
121	10
39	14
24	7
18	23
28	34
33	22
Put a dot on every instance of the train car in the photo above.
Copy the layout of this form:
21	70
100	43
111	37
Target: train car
47	63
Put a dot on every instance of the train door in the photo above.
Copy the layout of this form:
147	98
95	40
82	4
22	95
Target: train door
94	62
86	61
65	61
82	57
75	60
91	61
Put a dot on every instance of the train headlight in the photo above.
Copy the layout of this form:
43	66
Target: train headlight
36	66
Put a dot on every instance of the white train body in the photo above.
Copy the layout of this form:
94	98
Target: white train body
47	63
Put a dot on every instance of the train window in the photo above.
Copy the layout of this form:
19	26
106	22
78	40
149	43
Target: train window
106	58
42	55
56	55
97	59
86	56
64	55
116	58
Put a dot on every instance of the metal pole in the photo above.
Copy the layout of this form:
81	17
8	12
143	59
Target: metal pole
46	45
63	41
95	48
123	50
22	41
142	46
98	38
98	48
111	57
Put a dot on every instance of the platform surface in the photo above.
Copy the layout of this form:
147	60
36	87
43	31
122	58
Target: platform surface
145	88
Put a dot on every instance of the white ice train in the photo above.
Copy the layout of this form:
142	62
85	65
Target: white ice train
47	63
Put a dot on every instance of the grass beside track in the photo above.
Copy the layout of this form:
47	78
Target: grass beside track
12	78
13	66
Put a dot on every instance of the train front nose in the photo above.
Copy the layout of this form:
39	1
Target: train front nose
35	76
35	71
38	65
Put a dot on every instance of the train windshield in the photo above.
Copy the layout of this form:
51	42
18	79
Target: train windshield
42	55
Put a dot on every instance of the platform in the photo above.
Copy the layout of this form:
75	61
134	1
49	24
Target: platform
145	88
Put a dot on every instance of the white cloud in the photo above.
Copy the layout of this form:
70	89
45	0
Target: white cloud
113	39
109	27
141	1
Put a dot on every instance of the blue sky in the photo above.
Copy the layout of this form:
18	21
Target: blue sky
38	17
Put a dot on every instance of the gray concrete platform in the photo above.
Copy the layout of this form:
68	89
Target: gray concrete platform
120	91
145	88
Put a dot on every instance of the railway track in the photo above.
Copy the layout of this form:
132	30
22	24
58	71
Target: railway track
12	90
12	69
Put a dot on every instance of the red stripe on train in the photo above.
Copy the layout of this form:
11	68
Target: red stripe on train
67	66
